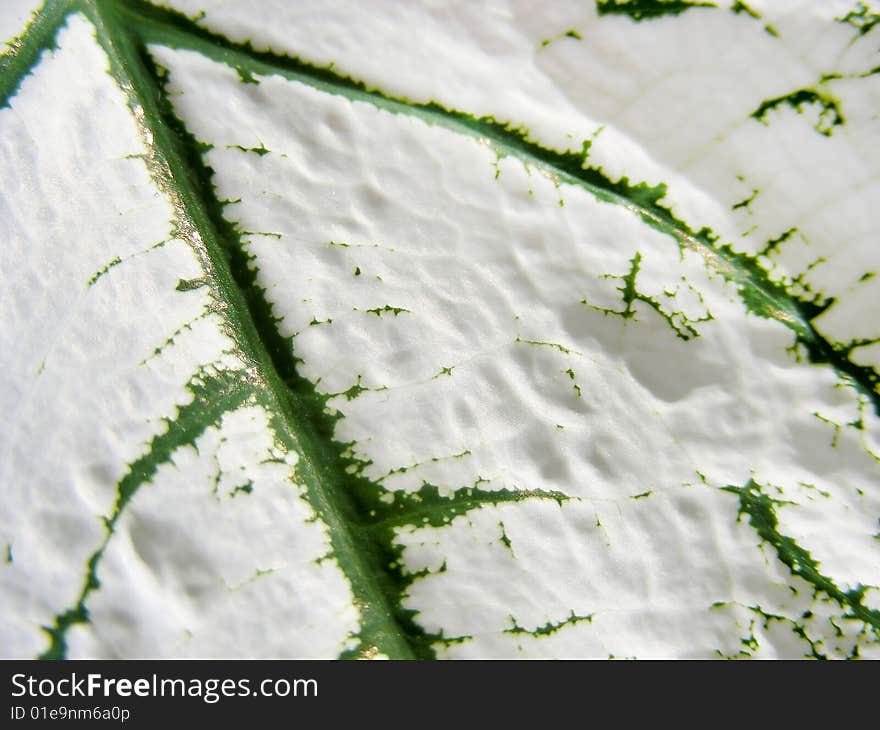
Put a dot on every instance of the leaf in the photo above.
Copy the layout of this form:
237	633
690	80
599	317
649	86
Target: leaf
542	347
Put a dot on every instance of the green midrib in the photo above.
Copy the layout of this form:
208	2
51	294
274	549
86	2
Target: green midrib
359	560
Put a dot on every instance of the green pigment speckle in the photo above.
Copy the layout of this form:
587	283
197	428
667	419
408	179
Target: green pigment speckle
681	324
640	10
830	115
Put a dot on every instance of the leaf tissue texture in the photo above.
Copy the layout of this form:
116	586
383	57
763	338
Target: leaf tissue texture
464	330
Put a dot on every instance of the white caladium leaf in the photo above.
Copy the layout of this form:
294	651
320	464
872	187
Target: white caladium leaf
385	329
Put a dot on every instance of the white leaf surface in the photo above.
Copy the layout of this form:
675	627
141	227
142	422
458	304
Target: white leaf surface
296	366
100	348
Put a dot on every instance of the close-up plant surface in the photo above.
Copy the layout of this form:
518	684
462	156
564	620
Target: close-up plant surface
452	330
